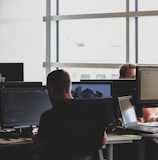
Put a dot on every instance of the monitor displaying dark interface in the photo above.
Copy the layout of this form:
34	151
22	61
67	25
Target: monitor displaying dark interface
95	90
147	85
90	89
22	107
12	71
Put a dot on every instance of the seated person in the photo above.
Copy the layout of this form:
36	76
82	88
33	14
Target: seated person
149	114
129	71
59	87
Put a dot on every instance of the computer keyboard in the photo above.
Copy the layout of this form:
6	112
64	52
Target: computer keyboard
7	135
144	128
139	129
151	124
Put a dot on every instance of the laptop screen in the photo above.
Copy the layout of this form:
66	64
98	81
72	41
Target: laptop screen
127	109
91	89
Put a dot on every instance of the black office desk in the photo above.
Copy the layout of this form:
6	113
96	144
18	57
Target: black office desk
149	146
22	146
19	149
144	145
117	139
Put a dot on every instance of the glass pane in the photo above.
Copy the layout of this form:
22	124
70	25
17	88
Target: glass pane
53	42
77	74
147	40
43	8
53	7
132	40
132	5
93	41
147	5
89	6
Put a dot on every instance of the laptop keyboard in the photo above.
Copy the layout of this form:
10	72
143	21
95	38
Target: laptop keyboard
145	128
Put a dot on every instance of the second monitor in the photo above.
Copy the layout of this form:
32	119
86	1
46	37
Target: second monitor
91	89
120	87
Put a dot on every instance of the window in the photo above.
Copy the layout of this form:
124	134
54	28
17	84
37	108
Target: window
84	37
89	6
147	43
96	39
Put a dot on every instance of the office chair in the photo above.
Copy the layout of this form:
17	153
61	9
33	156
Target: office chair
79	130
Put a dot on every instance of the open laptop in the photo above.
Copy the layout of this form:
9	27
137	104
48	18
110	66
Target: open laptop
129	117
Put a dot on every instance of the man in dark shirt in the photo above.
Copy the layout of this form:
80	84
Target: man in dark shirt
51	142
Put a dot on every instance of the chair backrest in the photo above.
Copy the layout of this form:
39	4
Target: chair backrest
82	122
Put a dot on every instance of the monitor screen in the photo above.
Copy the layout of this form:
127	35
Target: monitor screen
147	85
22	107
12	71
91	89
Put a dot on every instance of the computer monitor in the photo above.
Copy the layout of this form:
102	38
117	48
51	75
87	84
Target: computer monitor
147	85
15	84
94	90
120	87
84	115
22	107
91	89
12	71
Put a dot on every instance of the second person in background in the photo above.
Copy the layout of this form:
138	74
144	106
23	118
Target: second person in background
129	71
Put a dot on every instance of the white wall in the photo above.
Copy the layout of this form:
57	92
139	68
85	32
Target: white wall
22	36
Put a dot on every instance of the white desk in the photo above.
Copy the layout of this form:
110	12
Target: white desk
117	139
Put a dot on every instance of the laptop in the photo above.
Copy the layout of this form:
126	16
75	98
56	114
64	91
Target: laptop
130	123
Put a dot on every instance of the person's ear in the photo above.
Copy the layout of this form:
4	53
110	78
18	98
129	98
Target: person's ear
50	91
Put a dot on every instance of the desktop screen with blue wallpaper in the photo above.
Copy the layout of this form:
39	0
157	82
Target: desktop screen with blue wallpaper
91	89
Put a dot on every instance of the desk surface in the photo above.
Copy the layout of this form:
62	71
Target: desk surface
15	141
112	139
115	138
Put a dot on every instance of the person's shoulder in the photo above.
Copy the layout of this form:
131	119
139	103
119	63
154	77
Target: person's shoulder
46	113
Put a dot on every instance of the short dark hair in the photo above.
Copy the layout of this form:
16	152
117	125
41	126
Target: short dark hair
59	80
125	67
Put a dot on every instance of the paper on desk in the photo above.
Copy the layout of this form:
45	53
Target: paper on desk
120	138
131	136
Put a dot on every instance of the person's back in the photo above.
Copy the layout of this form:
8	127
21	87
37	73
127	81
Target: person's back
53	136
76	129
